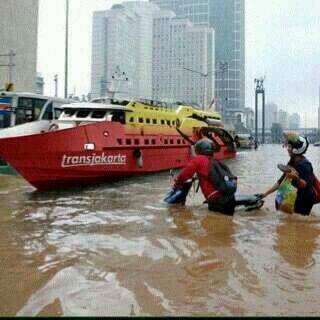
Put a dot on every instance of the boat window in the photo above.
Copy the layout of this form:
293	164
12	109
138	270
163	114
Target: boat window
98	114
141	120
153	141
118	116
83	113
48	114
69	112
5	119
171	141
57	112
136	141
119	141
162	122
147	120
131	119
146	141
165	141
173	122
154	121
168	122
29	109
128	141
179	141
5	113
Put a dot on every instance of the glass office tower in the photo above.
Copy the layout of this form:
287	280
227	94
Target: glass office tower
227	18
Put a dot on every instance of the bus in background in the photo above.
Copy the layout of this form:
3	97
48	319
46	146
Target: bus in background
20	107
33	111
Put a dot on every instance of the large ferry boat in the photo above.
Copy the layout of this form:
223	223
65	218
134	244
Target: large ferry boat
111	139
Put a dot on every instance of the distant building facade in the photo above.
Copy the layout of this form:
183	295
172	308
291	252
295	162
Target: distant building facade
227	18
183	60
294	121
19	32
122	42
249	118
283	119
271	114
39	84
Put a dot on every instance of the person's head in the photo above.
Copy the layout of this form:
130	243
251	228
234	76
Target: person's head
204	146
295	144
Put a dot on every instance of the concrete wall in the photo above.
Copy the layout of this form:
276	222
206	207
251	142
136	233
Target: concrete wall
19	31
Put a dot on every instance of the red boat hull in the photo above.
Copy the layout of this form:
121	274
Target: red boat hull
54	159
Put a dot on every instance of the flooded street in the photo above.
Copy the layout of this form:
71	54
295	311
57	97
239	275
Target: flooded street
116	249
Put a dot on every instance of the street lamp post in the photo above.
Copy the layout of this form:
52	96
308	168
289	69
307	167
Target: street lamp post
55	85
223	67
66	51
205	79
259	89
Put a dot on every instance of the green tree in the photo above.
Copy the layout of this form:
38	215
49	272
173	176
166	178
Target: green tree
276	133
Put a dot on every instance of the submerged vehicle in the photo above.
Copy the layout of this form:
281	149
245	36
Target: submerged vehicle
110	140
178	195
244	141
35	112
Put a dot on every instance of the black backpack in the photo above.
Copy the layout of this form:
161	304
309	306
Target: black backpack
222	178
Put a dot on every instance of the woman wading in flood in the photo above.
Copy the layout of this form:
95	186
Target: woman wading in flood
299	170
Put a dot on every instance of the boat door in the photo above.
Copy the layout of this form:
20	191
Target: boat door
5	111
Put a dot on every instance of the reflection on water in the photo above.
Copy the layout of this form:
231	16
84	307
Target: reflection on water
116	249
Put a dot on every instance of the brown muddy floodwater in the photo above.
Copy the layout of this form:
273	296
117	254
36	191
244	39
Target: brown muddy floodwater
116	249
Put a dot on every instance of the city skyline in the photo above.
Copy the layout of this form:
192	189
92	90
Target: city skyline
285	51
227	19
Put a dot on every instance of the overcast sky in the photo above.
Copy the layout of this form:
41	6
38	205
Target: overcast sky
282	43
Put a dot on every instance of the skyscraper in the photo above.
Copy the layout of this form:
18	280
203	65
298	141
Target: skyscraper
271	115
227	18
19	32
294	121
183	60
283	119
122	41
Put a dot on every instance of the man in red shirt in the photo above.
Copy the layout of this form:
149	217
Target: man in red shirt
204	149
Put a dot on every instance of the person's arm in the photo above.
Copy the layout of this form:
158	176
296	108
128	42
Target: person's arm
274	188
186	173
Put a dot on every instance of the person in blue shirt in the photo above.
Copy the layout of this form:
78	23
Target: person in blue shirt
300	171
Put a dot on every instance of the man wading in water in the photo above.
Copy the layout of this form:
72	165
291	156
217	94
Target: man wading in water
218	201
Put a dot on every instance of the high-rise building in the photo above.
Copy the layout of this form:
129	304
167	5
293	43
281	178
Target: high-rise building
39	84
122	42
271	115
227	18
283	119
294	121
183	60
19	32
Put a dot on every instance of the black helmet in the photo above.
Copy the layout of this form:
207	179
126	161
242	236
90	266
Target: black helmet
204	146
298	143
